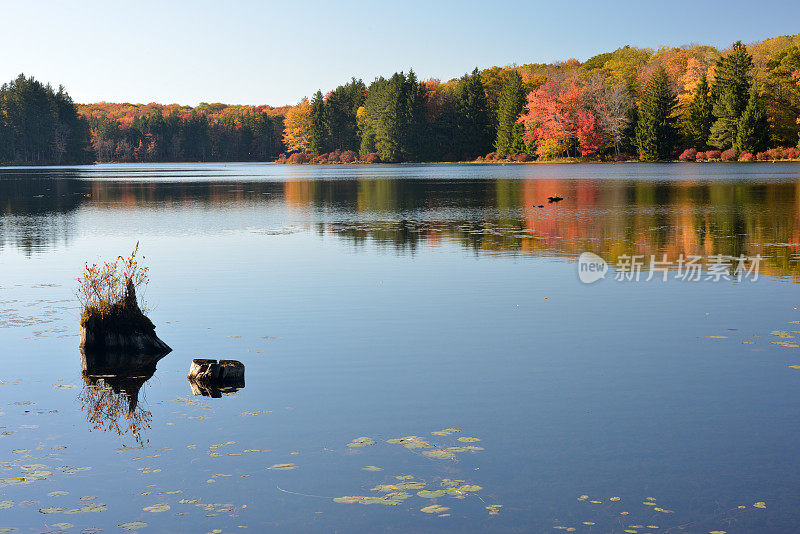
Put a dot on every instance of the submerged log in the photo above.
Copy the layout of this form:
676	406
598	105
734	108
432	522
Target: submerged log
213	379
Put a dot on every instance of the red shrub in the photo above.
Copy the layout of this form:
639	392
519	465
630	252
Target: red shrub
479	159
729	155
690	154
372	157
792	153
491	156
334	156
297	158
762	156
348	156
776	153
713	154
521	156
701	156
746	157
281	159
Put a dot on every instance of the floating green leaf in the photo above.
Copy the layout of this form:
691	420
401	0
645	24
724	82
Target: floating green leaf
445	431
6	504
156	508
361	442
434	509
439	454
466	439
57	493
372	468
133	525
52	510
428	494
282	467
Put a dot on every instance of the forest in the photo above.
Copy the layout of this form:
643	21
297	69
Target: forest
690	103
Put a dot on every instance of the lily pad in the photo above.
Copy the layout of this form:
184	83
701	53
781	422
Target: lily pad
57	493
132	525
434	509
466	439
361	442
282	467
445	431
428	494
62	526
348	499
372	468
439	454
410	442
52	510
6	504
158	507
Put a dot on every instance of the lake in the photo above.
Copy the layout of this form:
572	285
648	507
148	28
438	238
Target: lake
436	303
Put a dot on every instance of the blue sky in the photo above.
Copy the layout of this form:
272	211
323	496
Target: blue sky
250	52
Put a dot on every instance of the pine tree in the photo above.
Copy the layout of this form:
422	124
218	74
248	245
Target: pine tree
700	116
731	93
655	129
752	133
510	105
472	117
318	138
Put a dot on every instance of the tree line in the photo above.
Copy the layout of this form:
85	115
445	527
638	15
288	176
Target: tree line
688	103
40	125
692	102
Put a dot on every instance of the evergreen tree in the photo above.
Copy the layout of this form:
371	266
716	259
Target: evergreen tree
655	130
731	94
472	127
700	116
342	105
393	120
752	134
509	108
318	139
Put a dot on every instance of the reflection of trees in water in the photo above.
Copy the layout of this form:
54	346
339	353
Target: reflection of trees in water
611	217
110	396
114	407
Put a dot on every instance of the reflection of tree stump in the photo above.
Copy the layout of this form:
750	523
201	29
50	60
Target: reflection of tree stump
211	378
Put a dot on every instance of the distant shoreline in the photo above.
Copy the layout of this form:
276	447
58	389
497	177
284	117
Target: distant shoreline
363	164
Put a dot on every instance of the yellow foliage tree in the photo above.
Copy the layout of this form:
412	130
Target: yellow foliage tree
297	127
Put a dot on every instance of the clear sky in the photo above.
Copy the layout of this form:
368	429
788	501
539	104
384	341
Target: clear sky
251	52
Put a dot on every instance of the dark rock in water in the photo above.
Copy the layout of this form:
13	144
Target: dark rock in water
121	329
555	199
213	379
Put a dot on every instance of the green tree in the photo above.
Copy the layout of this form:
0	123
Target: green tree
700	116
509	108
752	133
655	129
341	107
472	136
318	139
731	93
393	119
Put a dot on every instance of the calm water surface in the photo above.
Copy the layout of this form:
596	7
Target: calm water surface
393	301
